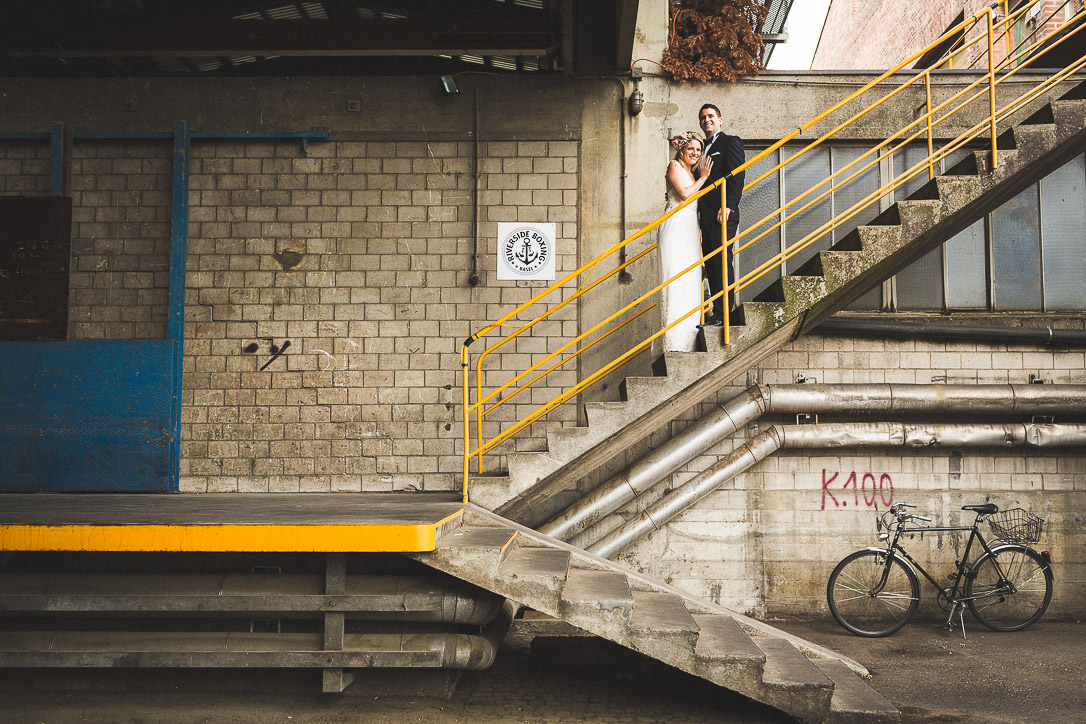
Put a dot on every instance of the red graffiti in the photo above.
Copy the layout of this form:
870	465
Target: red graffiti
864	487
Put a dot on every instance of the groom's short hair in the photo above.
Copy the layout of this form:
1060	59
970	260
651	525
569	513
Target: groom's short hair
709	105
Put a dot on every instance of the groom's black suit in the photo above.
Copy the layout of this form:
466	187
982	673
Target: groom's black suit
727	154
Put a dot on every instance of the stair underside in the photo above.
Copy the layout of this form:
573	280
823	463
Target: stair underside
661	622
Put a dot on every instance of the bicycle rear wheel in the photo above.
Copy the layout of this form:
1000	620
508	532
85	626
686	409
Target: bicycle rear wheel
862	604
1017	598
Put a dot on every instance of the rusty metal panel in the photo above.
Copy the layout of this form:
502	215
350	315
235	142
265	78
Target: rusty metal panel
35	248
93	415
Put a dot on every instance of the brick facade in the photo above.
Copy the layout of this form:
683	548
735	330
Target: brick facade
877	34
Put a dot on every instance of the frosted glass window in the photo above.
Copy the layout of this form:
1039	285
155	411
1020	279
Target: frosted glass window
845	196
759	202
1063	236
920	285
1016	253
905	159
809	171
967	268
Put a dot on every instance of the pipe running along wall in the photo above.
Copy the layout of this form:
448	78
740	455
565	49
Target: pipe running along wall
839	435
752	403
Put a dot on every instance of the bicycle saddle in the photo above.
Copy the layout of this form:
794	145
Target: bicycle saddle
985	509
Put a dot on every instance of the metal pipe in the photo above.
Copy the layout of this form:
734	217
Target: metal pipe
365	597
748	406
663	510
1048	336
736	414
882	434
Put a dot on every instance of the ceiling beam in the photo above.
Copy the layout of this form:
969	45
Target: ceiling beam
128	37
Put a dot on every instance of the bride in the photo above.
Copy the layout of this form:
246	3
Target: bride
679	245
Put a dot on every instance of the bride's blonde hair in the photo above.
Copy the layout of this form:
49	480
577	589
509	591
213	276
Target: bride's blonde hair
682	140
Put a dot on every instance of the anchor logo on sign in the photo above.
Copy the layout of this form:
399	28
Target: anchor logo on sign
527	254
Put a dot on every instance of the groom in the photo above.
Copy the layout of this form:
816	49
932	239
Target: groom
727	154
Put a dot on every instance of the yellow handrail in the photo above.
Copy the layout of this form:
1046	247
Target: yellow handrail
925	125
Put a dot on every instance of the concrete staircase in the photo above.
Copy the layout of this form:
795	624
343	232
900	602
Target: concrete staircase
793	306
698	637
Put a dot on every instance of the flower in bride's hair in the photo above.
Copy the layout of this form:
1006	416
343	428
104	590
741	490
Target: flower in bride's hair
680	140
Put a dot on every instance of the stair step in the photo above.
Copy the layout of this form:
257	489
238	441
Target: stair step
793	683
662	627
726	654
477	541
536	574
569	440
596	591
854	702
800	292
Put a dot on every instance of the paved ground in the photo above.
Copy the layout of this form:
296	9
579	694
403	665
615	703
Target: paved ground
1036	675
1033	676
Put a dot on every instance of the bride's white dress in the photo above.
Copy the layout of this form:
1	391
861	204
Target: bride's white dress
678	247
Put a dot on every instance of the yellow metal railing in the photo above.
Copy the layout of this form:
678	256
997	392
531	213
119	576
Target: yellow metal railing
923	128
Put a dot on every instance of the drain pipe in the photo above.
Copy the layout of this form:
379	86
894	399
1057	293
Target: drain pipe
756	400
843	435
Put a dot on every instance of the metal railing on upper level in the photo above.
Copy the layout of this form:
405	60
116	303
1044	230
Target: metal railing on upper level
982	29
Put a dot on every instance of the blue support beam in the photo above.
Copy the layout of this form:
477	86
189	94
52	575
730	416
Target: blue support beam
56	160
175	328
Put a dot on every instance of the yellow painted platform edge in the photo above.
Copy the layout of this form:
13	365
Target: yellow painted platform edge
389	538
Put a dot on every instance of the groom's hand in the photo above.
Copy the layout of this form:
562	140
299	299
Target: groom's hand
720	215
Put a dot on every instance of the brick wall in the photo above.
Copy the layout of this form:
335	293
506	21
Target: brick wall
120	240
120	232
358	254
876	34
766	542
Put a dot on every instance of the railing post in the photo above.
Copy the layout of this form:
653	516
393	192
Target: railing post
467	428
724	259
1007	30
991	86
927	88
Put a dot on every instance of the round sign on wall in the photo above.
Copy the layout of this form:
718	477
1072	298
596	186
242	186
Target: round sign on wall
526	251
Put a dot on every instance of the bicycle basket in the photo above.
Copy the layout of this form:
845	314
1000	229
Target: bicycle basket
1016	525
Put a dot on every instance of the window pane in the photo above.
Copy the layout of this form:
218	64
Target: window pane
1016	253
846	195
811	170
904	160
871	301
1063	236
920	285
759	202
967	269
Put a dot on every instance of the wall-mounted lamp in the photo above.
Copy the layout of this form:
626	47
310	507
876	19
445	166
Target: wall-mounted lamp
636	102
449	84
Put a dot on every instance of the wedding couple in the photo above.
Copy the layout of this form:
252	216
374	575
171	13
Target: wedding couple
696	230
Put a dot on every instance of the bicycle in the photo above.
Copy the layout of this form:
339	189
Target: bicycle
874	592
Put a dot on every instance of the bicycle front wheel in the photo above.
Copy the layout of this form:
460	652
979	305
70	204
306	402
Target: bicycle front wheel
870	596
1012	587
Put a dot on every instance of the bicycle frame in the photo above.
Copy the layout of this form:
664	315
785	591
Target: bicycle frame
951	593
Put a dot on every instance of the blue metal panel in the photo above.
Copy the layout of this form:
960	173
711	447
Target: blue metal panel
86	416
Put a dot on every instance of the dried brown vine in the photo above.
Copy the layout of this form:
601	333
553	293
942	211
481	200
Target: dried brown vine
714	39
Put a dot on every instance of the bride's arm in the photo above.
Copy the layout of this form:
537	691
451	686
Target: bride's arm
680	180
